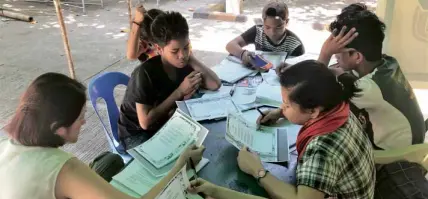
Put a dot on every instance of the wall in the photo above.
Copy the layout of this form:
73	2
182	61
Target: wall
407	36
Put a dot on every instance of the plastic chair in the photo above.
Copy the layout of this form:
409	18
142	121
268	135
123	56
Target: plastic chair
102	86
417	153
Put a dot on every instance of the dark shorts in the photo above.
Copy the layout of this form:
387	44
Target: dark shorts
107	165
401	180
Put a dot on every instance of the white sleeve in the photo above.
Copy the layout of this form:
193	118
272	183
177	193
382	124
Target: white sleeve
370	95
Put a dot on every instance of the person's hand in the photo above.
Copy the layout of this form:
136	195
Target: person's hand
190	84
248	162
193	152
281	67
202	186
271	117
248	59
336	44
188	96
139	14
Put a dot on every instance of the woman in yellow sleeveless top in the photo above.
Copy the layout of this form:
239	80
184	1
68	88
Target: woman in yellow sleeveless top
50	114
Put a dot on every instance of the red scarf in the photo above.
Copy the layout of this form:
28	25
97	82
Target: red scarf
324	124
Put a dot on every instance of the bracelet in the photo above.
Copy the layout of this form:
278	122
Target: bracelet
242	54
138	24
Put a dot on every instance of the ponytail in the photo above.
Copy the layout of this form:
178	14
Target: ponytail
349	87
312	84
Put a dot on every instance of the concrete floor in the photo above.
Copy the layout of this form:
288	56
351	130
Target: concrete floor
98	45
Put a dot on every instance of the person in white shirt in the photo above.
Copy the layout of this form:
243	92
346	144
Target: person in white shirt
386	100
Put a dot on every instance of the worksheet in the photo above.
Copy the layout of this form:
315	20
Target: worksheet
210	107
271	78
174	137
269	95
244	95
222	91
231	70
135	180
177	187
240	133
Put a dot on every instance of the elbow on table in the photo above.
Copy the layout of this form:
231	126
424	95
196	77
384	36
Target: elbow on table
217	84
230	46
144	123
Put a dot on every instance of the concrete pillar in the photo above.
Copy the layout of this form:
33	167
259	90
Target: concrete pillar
407	35
234	7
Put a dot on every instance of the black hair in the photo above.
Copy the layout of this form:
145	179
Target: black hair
149	16
314	85
169	26
51	101
369	27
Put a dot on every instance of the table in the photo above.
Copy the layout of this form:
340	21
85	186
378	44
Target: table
223	168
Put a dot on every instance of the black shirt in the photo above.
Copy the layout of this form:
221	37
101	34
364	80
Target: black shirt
290	43
149	85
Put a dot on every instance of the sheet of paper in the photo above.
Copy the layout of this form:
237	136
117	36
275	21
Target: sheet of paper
136	178
241	133
271	78
230	71
308	56
177	187
136	181
210	107
198	167
244	95
168	143
124	189
276	58
222	91
267	94
246	107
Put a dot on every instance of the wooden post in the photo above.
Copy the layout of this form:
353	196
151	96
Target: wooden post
64	38
130	14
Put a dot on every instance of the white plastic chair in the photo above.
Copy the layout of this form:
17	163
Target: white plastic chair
415	153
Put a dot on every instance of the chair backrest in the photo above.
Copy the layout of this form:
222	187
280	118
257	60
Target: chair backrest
417	153
102	86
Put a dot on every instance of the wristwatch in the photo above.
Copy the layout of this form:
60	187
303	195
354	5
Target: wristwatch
261	173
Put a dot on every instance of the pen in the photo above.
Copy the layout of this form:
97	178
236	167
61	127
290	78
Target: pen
233	90
192	166
261	113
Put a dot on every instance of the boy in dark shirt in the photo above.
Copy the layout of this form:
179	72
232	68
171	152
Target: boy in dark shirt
160	81
272	36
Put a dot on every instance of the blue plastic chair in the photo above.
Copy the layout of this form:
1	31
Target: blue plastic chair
102	86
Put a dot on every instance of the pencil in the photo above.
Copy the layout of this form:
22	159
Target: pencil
192	166
261	113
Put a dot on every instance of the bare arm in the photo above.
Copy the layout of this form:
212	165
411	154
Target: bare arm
235	46
77	181
133	47
277	189
210	79
336	44
224	193
147	114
